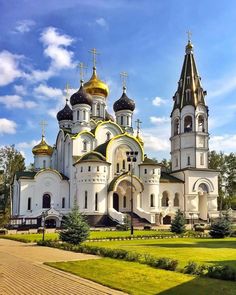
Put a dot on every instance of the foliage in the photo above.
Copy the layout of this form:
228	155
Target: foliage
75	227
11	161
222	272
167	164
162	262
178	223
222	227
193	268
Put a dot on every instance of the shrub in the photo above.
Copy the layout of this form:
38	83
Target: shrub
220	228
222	273
163	263
199	229
3	231
75	228
178	223
195	269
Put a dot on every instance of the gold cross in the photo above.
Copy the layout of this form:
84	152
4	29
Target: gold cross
43	125
124	77
67	91
94	53
81	68
138	123
189	35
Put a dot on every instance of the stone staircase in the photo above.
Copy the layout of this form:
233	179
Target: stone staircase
138	221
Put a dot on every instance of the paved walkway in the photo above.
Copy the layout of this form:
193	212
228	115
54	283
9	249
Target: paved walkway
22	272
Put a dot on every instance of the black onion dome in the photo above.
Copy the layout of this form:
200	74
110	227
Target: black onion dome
65	114
81	97
124	103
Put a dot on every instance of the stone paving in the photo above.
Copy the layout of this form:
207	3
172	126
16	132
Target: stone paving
22	272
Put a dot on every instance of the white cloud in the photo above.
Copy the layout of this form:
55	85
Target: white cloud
222	86
48	92
38	75
55	48
26	145
7	126
20	89
154	142
24	26
16	101
157	101
225	143
159	120
102	22
9	67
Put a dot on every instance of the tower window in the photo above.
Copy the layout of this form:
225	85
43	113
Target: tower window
81	169
188	95
84	115
117	168
128	120
188	80
123	164
121	120
108	134
44	164
124	202
188	124
63	202
96	202
98	110
201	124
85	145
188	161
78	115
152	200
89	168
29	204
176	127
145	171
85	200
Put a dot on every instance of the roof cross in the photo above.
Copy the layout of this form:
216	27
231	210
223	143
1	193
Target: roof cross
81	68
94	53
189	34
43	124
138	124
67	91
124	77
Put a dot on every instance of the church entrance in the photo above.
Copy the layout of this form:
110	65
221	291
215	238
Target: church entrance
167	219
116	201
50	223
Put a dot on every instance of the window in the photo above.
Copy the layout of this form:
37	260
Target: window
176	162
129	167
85	145
108	134
97	168
188	162
152	200
188	95
84	115
121	120
201	159
123	166
176	126
117	168
96	202
98	110
128	120
85	200
201	124
46	201
165	199
89	168
63	202
188	80
81	169
29	204
78	115
188	125
145	171
153	171
105	169
176	200
44	164
124	202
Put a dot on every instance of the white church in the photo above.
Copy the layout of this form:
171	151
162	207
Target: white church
99	164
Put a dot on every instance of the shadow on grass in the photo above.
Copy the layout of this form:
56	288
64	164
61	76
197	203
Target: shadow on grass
214	244
202	286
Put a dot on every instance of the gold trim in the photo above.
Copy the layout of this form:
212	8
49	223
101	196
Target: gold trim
82	132
48	170
105	122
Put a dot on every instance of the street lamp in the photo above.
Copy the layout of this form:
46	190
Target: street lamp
132	158
44	214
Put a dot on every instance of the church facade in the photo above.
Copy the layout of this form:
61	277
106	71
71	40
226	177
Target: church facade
99	164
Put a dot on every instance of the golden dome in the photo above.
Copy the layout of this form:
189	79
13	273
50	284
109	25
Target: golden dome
95	86
42	148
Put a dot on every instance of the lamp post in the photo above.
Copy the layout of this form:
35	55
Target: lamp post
44	214
131	158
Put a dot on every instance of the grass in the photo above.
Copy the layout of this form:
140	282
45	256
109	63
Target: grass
139	279
202	251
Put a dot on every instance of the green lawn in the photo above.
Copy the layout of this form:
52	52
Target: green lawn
211	251
140	279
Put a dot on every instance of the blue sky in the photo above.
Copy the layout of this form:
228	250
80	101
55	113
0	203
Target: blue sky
41	43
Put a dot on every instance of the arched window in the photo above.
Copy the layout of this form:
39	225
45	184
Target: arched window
128	120
84	115
188	124
98	110
97	168
108	134
152	200
81	169
121	120
44	164
96	202
124	202
29	204
85	200
176	126
117	168
89	168
85	145
176	200
188	161
46	201
78	115
123	164
201	124
165	199
63	203
203	188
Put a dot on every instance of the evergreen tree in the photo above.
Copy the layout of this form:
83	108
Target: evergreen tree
222	227
178	223
75	228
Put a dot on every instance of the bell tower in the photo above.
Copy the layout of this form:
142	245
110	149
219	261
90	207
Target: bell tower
189	118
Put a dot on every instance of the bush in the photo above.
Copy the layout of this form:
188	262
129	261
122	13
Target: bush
75	228
221	228
194	269
3	231
222	273
163	263
199	228
178	223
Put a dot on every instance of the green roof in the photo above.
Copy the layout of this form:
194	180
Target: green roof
166	177
148	161
92	157
31	175
102	148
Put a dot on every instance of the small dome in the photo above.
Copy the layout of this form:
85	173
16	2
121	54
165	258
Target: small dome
65	114
189	47
42	148
81	97
124	103
95	86
109	117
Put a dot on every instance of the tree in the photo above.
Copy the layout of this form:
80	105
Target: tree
221	228
11	161
75	228
178	223
167	164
